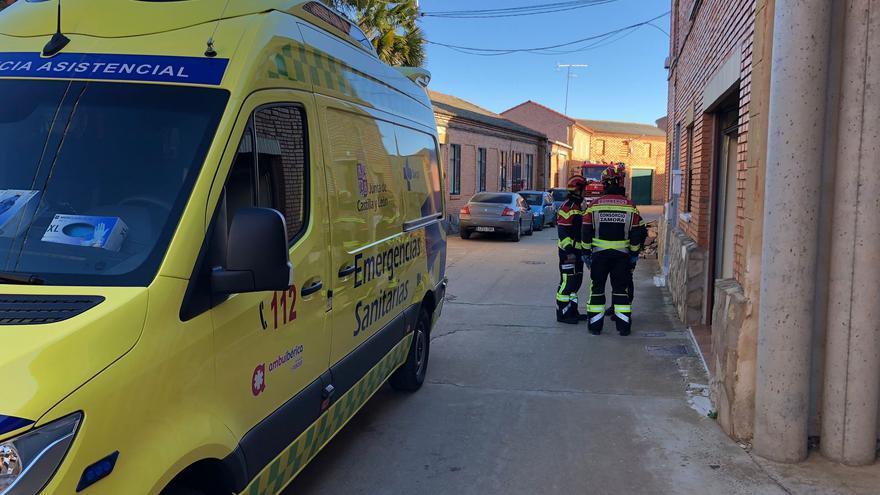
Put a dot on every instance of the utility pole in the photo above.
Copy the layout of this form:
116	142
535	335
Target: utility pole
568	77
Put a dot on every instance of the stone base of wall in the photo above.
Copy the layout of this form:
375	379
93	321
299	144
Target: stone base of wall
732	364
687	276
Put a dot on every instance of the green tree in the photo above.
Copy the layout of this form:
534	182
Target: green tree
391	26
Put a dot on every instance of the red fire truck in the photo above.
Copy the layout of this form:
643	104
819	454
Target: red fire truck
593	173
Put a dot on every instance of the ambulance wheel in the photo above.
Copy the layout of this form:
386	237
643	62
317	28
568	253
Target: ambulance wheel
465	234
411	375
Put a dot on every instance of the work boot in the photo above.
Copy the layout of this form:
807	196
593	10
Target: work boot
595	332
624	333
583	317
568	314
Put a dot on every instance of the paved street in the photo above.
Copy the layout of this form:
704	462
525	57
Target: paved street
516	403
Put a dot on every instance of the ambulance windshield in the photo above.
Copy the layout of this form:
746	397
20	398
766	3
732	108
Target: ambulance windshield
94	176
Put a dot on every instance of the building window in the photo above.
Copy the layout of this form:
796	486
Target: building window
502	173
481	169
517	171
600	146
689	163
530	171
650	149
455	169
675	156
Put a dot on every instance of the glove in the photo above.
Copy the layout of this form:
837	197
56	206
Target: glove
633	261
587	259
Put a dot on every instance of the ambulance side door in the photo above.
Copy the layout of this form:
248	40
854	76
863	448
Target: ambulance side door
364	177
272	348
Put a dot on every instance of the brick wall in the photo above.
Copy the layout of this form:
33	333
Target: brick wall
581	142
699	48
537	117
636	152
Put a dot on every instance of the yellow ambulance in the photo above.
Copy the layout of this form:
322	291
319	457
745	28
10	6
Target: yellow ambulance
220	234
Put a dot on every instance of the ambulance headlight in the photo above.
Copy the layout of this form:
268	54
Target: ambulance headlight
29	461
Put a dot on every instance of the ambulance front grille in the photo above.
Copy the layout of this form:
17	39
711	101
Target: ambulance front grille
36	310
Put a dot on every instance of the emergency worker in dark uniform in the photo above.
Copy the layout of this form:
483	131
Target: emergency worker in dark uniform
569	222
613	235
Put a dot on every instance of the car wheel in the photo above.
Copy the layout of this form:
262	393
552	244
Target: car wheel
411	375
465	234
517	233
531	227
541	225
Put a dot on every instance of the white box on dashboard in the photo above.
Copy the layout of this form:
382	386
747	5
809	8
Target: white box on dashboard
79	230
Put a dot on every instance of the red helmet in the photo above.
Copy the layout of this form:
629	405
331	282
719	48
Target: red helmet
611	175
577	182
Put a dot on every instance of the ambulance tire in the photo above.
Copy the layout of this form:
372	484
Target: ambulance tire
411	376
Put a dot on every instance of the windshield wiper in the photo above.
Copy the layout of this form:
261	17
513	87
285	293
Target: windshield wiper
20	278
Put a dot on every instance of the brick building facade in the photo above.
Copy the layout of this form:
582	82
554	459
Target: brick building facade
482	151
709	88
642	147
569	140
761	236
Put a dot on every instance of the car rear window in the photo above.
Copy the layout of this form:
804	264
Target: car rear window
559	194
533	199
491	198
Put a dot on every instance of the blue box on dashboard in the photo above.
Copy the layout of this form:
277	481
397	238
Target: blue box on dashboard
79	230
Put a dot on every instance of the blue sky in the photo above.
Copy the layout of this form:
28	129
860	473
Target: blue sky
625	80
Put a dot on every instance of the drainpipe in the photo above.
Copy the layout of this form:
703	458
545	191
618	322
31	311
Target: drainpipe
851	394
795	144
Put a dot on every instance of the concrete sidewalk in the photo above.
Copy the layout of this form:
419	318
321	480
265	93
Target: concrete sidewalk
516	403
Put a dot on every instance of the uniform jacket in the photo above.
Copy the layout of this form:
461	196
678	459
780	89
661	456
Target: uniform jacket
569	224
613	222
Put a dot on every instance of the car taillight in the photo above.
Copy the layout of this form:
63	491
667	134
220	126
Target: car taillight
507	212
465	210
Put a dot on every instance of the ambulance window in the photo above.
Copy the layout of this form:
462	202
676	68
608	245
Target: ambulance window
282	163
421	173
241	186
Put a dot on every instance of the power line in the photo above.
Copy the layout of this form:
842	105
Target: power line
549	8
548	50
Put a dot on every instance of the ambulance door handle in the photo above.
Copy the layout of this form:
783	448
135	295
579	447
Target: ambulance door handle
346	271
311	289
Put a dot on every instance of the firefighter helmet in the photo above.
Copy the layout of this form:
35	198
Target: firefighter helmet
611	175
577	182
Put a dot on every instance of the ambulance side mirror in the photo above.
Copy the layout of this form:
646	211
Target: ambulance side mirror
257	256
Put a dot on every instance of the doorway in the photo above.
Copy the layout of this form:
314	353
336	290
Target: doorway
642	186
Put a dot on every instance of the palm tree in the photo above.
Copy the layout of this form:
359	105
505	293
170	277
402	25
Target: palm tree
390	26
